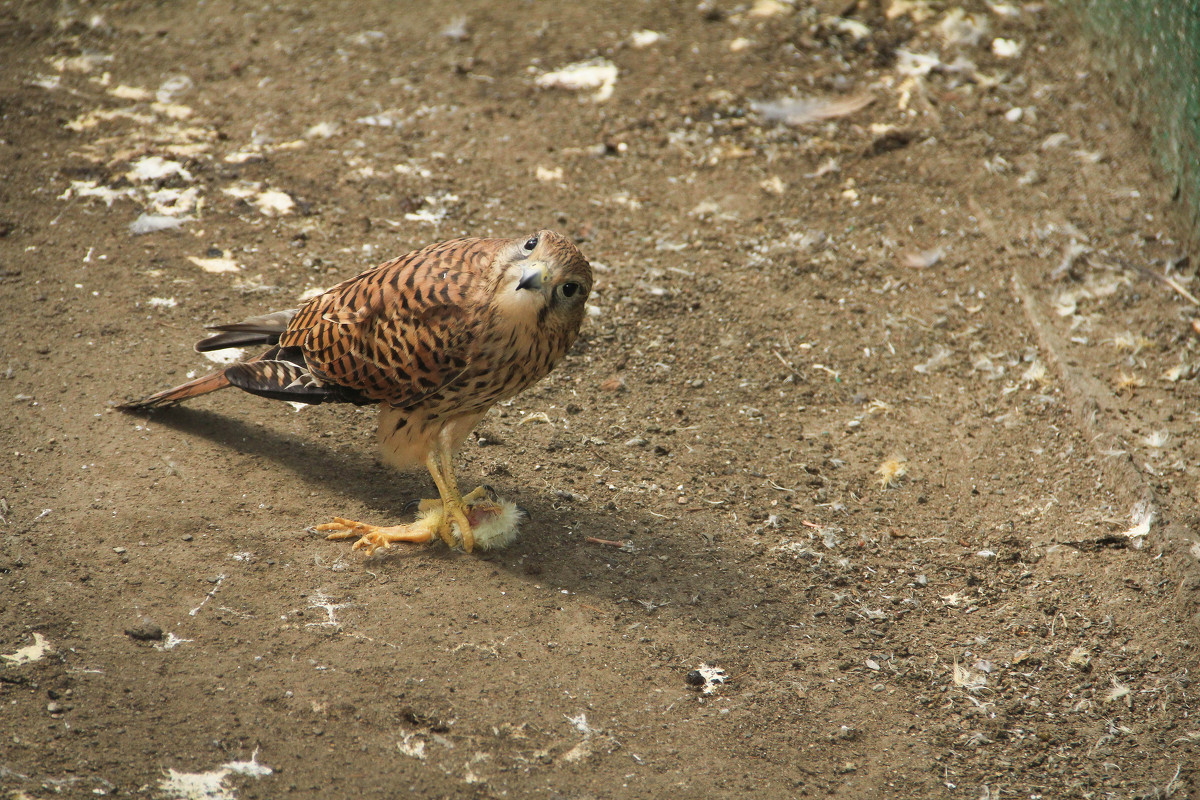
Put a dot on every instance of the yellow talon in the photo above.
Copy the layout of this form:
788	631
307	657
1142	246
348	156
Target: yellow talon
480	519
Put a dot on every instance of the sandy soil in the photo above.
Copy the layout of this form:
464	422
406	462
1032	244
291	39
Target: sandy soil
967	268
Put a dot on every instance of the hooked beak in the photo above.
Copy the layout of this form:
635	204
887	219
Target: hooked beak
531	278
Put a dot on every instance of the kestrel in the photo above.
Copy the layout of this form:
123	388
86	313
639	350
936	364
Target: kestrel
435	338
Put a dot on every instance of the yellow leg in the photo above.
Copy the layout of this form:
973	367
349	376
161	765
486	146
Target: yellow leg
441	467
451	510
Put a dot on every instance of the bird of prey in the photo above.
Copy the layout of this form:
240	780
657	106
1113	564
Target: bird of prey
435	338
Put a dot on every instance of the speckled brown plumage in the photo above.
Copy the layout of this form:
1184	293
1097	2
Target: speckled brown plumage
435	337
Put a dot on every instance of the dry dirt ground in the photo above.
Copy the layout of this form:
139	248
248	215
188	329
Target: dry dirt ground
965	265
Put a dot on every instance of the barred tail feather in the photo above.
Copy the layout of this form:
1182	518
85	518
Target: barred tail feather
209	383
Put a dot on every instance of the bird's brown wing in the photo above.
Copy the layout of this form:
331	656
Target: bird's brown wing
402	331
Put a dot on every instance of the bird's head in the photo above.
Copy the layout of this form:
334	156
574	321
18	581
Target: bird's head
545	281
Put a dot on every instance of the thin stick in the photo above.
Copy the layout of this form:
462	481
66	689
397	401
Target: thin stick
609	542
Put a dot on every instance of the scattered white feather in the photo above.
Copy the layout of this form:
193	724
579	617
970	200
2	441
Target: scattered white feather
435	210
171	642
91	189
243	190
1006	48
1037	373
1117	691
27	655
212	785
891	471
411	746
924	259
49	82
322	130
916	65
1179	372
154	168
971	681
577	753
152	223
457	29
174	202
173	110
244	156
851	27
598	73
1141	516
1157	439
1005	9
173	87
1054	140
384	120
581	724
216	265
136	93
1079	658
768	8
960	29
249	768
645	38
273	203
410	169
196	785
803	110
939	357
81	63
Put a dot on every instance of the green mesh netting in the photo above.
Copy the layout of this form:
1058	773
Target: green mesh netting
1153	48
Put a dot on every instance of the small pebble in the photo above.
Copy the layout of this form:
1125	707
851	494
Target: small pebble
145	631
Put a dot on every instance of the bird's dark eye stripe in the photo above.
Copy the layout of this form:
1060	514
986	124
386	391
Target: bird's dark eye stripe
530	243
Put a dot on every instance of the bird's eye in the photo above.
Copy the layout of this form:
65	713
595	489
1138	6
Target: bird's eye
530	243
570	289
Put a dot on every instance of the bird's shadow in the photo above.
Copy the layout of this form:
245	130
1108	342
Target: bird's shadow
538	552
365	480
